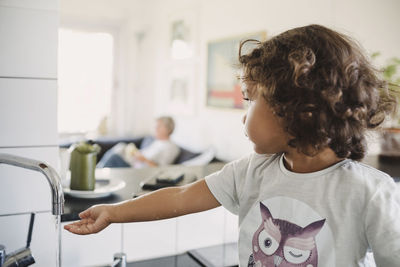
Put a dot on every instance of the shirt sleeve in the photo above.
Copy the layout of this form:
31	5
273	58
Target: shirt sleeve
383	224
225	184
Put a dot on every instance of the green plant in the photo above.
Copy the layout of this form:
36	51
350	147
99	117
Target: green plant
391	73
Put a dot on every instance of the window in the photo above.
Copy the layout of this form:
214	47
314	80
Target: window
85	78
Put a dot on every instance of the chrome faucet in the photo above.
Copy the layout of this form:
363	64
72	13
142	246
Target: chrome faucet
50	174
119	260
23	257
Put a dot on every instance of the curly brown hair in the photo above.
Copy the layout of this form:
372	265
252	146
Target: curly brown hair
323	87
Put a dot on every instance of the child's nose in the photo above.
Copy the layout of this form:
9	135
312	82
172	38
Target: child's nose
244	118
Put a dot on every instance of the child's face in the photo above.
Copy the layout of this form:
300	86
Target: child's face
263	127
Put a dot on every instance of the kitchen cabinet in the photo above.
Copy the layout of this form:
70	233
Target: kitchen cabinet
28	119
200	230
32	4
29	112
28	46
231	228
147	240
138	240
156	239
90	250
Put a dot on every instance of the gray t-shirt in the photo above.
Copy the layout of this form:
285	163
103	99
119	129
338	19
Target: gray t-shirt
326	218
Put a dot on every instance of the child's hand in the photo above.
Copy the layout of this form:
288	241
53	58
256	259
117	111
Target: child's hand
93	220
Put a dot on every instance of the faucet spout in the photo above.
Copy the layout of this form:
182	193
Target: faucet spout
48	171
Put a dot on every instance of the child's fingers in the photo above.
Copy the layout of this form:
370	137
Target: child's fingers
69	226
81	228
78	223
75	229
85	214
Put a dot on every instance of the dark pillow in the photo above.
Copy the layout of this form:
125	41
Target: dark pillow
185	155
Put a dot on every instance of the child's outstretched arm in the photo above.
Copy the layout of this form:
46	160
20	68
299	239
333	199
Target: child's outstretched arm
161	204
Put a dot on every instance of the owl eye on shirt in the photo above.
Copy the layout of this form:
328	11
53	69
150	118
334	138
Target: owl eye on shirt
267	243
294	255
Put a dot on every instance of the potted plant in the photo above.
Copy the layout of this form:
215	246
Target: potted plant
390	144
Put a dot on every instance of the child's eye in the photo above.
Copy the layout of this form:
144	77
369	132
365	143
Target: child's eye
247	102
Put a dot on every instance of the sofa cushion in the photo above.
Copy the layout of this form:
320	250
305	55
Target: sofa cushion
185	155
202	159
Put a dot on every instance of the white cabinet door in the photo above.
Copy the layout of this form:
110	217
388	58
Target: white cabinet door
28	112
23	190
90	250
200	230
33	4
156	239
148	240
231	227
28	46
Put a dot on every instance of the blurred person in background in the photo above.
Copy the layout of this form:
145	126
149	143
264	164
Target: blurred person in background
161	151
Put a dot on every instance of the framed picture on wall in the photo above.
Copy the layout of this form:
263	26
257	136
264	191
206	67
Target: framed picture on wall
182	34
223	87
181	89
181	62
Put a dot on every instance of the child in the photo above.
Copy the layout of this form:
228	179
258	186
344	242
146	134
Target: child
303	199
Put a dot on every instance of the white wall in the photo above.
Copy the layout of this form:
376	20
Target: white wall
28	119
373	23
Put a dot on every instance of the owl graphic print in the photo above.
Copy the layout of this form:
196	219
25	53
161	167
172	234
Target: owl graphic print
280	240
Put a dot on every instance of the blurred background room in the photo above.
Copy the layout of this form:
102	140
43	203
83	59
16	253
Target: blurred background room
102	70
122	63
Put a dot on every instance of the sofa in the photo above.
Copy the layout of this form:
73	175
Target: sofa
185	156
